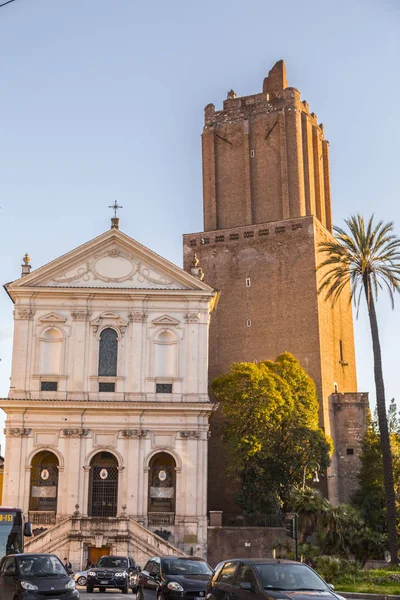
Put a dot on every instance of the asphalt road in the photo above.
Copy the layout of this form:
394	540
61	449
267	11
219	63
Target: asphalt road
108	595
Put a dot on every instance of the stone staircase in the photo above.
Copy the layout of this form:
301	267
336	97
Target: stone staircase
122	535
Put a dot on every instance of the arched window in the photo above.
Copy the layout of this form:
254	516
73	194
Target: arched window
108	353
162	484
165	355
44	488
51	351
103	486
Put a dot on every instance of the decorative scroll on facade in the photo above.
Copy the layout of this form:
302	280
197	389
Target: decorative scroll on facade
76	432
190	435
19	432
134	433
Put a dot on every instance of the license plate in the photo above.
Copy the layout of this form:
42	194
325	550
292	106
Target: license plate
104	582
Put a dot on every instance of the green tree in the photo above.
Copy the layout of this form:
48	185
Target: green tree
367	259
271	426
370	495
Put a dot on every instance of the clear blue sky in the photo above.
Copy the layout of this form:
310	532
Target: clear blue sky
103	100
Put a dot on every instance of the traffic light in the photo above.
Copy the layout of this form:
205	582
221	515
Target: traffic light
290	527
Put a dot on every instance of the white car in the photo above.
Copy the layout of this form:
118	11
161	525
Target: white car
80	577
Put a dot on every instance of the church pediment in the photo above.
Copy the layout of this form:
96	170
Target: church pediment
52	318
113	260
166	320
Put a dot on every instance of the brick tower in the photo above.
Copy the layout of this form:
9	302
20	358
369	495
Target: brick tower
267	206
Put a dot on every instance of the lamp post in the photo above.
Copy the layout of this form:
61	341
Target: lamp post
314	467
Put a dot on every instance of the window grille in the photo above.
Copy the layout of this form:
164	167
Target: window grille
104	491
106	387
193	242
108	353
233	236
248	234
219	238
263	232
281	229
163	388
48	386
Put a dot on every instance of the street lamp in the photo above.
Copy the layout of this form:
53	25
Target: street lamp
314	466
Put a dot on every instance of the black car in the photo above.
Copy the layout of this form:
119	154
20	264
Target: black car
118	572
267	579
35	576
172	577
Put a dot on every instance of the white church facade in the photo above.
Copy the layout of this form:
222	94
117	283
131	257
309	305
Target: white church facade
107	414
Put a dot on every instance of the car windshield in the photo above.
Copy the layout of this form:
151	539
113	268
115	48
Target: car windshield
292	577
113	562
174	566
40	566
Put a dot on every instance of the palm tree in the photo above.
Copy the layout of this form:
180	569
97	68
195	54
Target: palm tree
368	259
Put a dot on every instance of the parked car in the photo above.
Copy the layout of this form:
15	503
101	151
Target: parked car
80	577
267	579
118	572
172	577
35	576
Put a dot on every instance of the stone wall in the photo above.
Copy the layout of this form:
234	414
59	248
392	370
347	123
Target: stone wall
242	542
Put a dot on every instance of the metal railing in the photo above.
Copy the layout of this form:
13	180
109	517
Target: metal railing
42	517
161	518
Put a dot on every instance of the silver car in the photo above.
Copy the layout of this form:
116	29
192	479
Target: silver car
80	577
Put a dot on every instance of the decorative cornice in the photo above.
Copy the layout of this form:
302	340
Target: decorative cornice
24	313
81	315
192	317
134	433
75	433
137	317
190	435
19	432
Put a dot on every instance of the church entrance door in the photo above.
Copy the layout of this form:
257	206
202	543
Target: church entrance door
103	488
94	554
43	488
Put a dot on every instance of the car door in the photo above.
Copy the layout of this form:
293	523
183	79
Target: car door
224	586
246	584
148	579
9	583
153	581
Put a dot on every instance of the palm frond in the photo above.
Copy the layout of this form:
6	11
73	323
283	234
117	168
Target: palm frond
366	257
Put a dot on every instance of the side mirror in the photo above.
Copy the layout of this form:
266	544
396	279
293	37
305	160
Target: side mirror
331	587
28	529
248	587
153	574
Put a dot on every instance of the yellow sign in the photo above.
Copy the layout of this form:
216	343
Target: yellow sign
6	517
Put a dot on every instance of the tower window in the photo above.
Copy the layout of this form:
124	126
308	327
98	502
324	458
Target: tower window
350	451
252	153
48	386
248	322
341	354
248	282
108	353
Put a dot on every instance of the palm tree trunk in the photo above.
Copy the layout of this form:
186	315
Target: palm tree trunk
390	497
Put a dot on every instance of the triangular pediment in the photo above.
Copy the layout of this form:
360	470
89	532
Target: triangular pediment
112	260
52	318
166	320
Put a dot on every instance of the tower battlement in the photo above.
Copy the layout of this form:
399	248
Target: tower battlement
265	158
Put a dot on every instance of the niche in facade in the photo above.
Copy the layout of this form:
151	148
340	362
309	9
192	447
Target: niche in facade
166	355
51	352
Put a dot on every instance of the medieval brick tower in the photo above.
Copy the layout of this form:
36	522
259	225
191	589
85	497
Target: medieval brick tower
267	206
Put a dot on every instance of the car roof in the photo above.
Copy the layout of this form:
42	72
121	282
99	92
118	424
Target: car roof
180	557
262	561
28	554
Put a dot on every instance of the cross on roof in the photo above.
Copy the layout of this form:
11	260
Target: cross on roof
115	207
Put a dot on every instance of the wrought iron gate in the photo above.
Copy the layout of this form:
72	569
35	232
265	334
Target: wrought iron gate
104	491
44	484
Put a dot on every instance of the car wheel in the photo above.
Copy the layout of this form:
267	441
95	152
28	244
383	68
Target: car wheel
89	589
102	590
81	580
